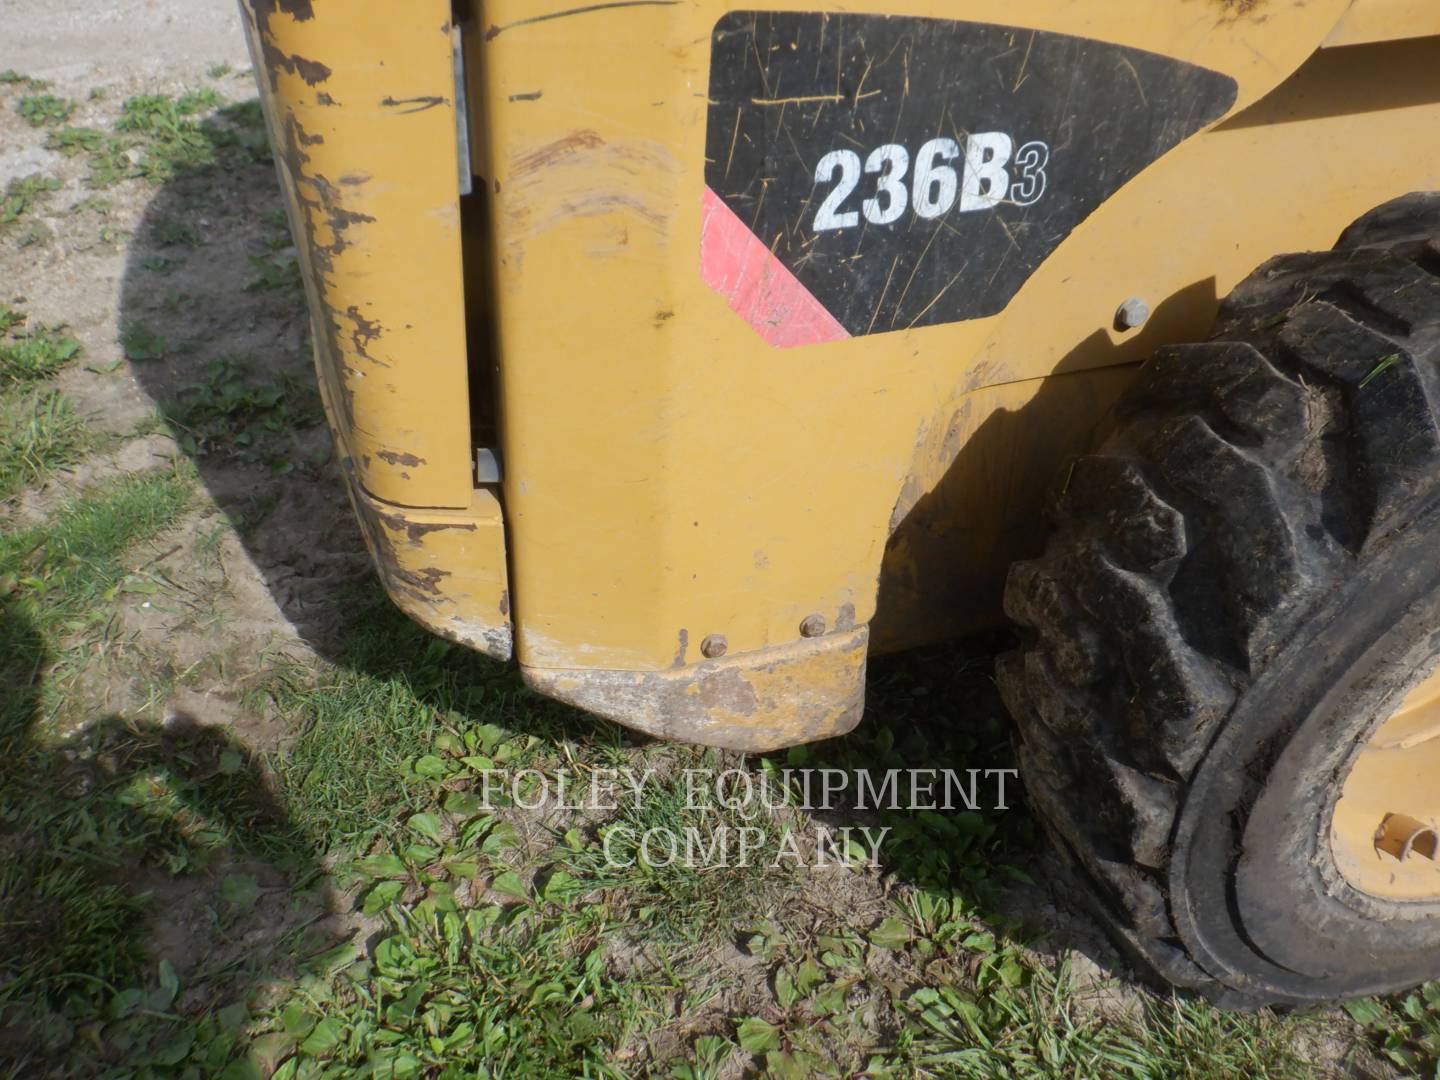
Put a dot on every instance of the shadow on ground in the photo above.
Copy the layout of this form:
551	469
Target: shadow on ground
213	320
141	866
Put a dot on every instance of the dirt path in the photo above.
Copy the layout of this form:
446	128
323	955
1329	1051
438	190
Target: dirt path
90	43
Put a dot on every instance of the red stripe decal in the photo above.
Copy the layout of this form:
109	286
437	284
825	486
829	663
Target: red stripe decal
760	289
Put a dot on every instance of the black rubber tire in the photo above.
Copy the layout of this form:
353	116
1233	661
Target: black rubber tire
1243	581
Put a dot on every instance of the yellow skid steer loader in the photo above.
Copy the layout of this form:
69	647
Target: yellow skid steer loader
687	354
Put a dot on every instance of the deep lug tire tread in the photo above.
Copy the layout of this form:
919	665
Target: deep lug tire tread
1245	477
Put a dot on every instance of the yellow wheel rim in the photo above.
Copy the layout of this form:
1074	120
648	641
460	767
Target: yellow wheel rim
1384	831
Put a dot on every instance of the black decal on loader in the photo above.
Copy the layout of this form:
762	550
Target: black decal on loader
906	172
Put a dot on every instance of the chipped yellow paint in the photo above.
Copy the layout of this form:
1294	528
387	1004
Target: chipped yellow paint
798	692
359	97
444	568
361	110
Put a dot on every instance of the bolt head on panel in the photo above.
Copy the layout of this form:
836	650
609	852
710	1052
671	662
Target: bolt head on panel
714	646
1132	313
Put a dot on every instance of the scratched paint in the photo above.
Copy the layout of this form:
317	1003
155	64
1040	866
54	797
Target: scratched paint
444	569
276	59
494	31
787	694
359	105
582	175
759	287
910	172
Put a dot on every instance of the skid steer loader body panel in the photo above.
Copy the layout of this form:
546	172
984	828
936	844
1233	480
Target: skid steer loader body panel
784	317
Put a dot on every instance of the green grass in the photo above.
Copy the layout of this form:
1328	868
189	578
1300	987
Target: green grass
139	342
489	990
169	231
519	985
72	561
11	77
172	141
158	137
384	735
66	930
386	767
272	276
75	140
230	410
24	194
40	431
504	951
1031	1023
676	901
92	204
389	763
40	354
1385	364
44	110
1405	1029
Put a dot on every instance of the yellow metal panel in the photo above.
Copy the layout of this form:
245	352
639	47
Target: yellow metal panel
444	568
361	110
787	694
1386	20
667	473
